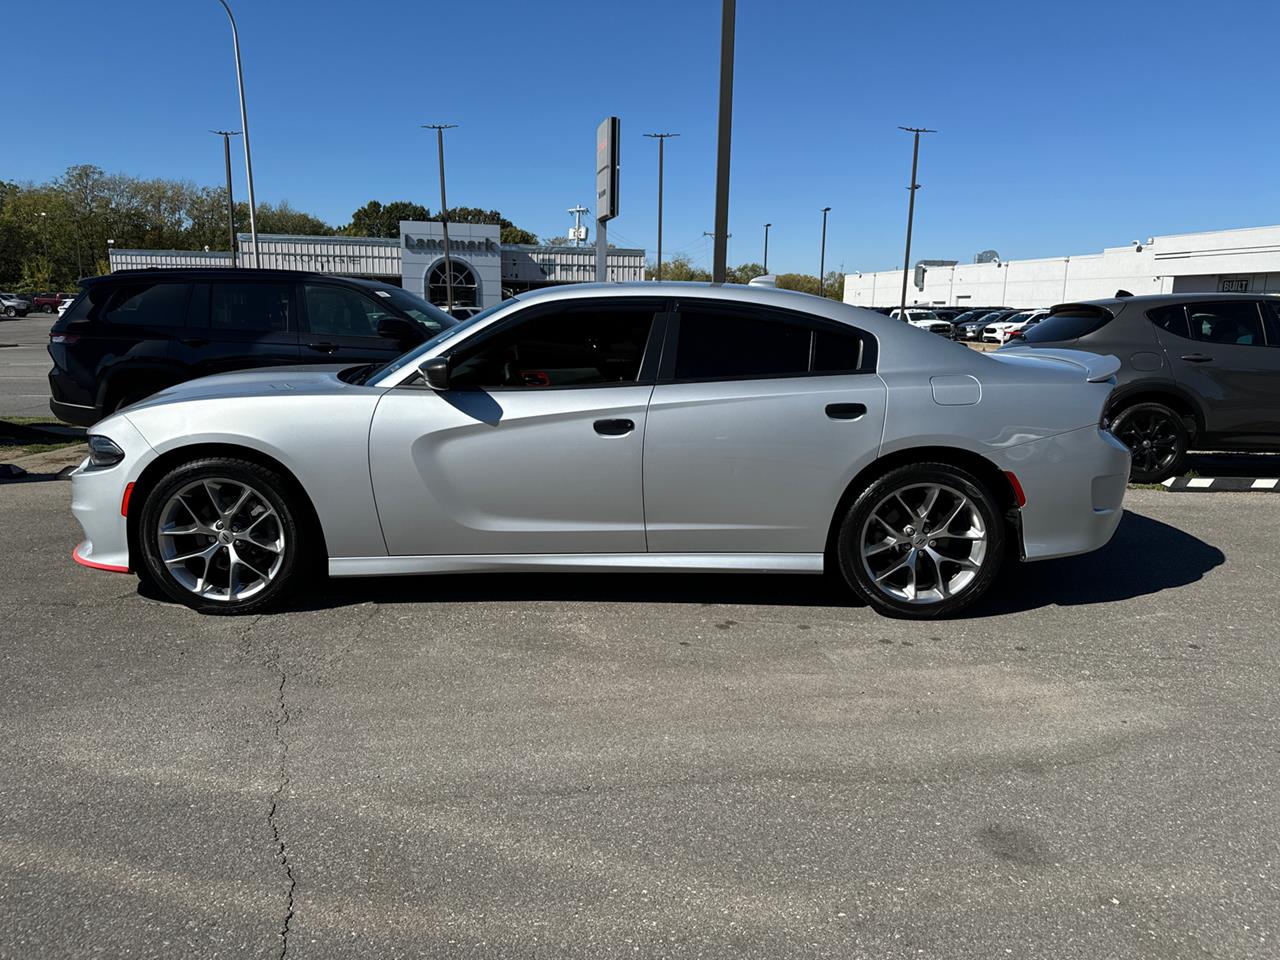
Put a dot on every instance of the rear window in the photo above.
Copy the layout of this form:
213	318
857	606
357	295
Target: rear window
1070	324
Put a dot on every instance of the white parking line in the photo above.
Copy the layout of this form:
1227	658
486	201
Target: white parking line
1200	482
1265	484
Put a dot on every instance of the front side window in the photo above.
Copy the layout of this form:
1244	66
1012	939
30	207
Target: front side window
341	312
1235	322
744	343
569	346
250	307
143	304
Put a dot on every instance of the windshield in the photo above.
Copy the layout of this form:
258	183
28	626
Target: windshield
458	327
429	315
921	315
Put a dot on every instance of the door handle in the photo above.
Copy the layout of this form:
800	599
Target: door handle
322	347
614	428
1196	357
194	342
846	411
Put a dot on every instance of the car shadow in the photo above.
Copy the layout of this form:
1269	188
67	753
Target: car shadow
1144	557
1233	465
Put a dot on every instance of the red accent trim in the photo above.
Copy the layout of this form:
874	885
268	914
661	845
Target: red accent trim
1017	488
75	555
124	502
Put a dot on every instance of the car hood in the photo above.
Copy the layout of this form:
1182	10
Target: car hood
260	382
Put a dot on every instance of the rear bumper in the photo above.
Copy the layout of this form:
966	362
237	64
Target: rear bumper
1075	485
75	413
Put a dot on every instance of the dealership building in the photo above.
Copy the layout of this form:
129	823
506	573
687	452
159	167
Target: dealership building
485	271
1220	261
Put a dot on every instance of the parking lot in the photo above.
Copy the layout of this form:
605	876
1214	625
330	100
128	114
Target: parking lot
651	766
24	365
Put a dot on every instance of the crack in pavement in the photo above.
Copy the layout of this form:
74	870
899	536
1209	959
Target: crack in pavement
282	781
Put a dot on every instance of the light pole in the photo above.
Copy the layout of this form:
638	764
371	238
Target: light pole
662	142
766	246
822	256
44	233
231	204
719	265
911	211
440	128
244	125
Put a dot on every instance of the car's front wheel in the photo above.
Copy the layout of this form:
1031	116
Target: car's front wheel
1157	440
10	312
922	541
221	535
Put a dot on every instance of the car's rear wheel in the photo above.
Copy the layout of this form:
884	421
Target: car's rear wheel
922	541
1157	440
222	536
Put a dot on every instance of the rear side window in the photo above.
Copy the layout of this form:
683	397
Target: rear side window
718	343
1172	318
1070	324
1271	318
142	304
260	307
1227	322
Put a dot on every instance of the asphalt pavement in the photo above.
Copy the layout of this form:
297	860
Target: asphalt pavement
648	766
24	365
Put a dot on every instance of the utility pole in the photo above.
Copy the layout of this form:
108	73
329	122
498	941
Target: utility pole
578	234
662	142
244	125
226	136
719	265
822	256
766	246
440	128
911	210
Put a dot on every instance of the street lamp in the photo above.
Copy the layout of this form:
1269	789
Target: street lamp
766	246
822	256
719	265
662	142
440	128
231	204
911	210
244	125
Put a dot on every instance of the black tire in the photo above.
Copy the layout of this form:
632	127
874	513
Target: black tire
10	312
938	577
1157	440
224	473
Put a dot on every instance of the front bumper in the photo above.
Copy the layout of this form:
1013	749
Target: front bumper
97	499
1074	484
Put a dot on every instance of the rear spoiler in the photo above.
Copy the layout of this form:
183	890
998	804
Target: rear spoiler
1096	367
1097	308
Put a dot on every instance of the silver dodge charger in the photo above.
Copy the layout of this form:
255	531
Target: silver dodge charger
625	427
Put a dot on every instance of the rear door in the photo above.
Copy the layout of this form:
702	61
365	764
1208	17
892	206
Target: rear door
340	325
1223	357
760	419
239	324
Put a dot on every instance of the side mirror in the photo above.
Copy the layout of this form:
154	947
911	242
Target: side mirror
435	372
406	333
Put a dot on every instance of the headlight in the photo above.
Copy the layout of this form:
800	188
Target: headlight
103	452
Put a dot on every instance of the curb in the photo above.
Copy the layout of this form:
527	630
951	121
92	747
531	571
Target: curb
1223	484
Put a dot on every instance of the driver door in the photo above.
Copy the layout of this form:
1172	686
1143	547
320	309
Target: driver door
535	448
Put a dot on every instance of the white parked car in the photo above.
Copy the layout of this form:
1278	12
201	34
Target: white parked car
923	320
998	332
1012	333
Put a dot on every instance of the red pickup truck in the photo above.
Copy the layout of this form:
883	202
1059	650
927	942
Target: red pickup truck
48	302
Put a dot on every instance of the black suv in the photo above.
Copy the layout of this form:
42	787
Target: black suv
131	333
1198	371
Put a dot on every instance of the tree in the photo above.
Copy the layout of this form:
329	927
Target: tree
509	233
376	220
678	268
282	218
513	234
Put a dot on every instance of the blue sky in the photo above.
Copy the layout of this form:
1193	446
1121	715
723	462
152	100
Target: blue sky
1064	127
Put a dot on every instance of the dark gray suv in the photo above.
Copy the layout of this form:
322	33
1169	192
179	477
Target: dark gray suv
1199	371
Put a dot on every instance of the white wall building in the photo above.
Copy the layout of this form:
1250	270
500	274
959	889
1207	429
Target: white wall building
484	271
1246	260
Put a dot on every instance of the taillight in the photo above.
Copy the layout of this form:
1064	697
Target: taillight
63	338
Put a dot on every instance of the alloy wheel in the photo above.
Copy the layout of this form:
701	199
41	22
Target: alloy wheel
1152	438
221	539
923	543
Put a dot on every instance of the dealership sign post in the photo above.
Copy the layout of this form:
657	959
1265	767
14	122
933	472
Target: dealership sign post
606	188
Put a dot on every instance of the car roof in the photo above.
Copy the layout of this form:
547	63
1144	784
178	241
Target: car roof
1113	304
217	273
